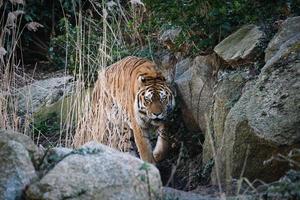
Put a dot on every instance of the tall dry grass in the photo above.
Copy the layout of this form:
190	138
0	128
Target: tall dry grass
98	117
74	110
11	64
102	120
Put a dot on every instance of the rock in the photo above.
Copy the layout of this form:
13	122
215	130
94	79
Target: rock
169	40
52	157
96	171
195	88
34	152
170	193
242	197
43	92
170	35
16	168
61	114
182	66
54	97
264	121
227	92
57	153
240	47
288	29
273	110
165	63
285	188
168	61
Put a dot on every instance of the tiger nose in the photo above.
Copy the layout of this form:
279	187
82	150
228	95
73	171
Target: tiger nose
156	113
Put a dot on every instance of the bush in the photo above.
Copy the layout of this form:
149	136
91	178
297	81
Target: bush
205	23
132	28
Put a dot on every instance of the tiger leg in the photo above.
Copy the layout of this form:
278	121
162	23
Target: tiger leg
162	145
143	144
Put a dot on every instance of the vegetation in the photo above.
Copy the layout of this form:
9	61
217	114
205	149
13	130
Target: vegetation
205	23
133	27
83	36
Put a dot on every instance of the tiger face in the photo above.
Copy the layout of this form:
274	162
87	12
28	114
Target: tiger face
154	101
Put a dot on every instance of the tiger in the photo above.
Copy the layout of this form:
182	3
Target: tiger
130	94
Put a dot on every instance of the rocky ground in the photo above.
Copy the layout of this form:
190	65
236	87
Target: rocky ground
237	133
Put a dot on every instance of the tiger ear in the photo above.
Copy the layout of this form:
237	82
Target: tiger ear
162	78
159	76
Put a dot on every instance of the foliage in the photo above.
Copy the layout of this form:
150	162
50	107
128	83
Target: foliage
205	23
132	28
11	30
47	126
49	14
63	50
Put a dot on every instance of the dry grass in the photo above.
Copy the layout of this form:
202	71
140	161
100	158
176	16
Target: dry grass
102	120
9	65
96	117
80	109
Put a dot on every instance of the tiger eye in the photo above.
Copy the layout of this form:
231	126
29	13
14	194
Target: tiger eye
163	97
147	99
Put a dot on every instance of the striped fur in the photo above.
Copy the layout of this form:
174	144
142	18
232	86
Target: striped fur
130	93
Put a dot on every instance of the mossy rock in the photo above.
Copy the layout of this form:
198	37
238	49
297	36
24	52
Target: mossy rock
50	122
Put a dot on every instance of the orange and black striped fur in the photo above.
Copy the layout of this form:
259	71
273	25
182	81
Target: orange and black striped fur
130	94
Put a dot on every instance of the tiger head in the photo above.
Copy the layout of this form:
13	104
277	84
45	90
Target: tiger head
154	100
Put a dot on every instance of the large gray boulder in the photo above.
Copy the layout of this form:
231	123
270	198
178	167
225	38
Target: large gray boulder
52	157
241	45
43	92
227	92
34	152
182	66
263	122
195	87
96	171
273	110
165	63
16	167
287	30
